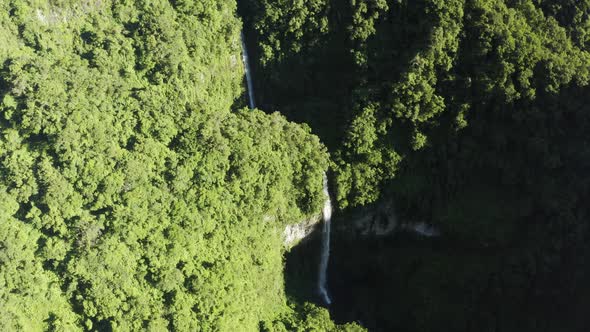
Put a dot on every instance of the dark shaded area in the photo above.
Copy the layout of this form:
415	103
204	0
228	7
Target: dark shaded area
514	252
502	166
403	283
301	269
314	86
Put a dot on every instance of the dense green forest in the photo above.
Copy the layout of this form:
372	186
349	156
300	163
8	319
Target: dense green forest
138	193
135	193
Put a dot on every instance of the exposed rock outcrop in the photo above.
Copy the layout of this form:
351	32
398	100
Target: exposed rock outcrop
294	233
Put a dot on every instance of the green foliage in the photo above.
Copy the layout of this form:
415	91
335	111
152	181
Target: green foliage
364	16
369	153
308	318
573	15
411	101
507	54
30	296
287	27
131	197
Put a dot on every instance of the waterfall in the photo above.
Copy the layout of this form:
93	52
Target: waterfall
248	73
325	255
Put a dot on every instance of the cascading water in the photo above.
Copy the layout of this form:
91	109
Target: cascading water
325	256
246	61
327	210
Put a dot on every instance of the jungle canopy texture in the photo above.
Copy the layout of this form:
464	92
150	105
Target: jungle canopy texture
138	193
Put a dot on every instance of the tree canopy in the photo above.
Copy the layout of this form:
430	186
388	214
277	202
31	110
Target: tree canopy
134	192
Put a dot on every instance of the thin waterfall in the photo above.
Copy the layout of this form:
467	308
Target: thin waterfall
246	60
325	255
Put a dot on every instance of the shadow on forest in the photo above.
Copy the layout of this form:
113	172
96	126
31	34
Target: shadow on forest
321	84
313	86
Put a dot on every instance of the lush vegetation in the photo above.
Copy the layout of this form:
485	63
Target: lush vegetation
134	194
137	193
469	114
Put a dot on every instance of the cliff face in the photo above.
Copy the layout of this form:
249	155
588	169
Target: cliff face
293	234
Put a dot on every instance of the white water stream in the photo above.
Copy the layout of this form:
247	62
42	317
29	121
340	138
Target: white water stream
325	255
246	61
